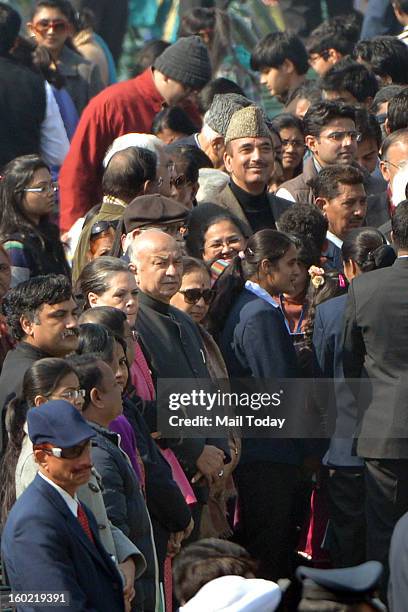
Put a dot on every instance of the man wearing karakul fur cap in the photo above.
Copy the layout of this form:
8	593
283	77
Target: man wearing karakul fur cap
249	159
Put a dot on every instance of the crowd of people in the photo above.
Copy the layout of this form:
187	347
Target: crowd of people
168	227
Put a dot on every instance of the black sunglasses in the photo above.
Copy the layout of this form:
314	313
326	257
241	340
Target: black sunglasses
192	296
103	226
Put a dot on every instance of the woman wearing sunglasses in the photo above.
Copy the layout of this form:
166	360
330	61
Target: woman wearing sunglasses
27	200
52	26
194	298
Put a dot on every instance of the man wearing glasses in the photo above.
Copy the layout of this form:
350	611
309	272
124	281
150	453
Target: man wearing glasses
50	542
331	137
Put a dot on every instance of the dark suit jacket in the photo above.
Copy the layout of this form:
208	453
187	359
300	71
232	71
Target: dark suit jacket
376	347
44	548
336	396
256	344
15	365
173	348
227	199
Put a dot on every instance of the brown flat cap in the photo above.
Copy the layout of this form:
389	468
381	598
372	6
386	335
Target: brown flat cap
152	210
248	122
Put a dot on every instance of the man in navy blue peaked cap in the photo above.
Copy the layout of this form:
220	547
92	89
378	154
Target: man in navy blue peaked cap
50	542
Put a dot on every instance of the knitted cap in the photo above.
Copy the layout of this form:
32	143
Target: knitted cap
187	61
248	122
221	110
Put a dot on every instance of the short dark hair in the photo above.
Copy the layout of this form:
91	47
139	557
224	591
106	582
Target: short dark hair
112	318
147	54
347	75
321	114
10	23
97	339
305	220
191	153
392	139
274	49
387	56
326	183
385	94
65	6
340	33
287	120
174	118
398	111
88	372
127	171
368	126
216	86
309	90
29	296
206	560
399	225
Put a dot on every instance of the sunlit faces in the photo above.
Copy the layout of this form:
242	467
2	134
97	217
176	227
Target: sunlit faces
276	80
37	204
336	144
367	154
196	279
122	372
396	158
174	92
320	63
293	147
250	162
54	329
50	28
107	397
121	294
281	277
69	474
67	389
346	211
101	244
182	189
223	240
159	267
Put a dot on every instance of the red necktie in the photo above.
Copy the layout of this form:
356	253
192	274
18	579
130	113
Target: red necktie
83	520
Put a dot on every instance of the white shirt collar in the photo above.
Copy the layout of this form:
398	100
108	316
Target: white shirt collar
261	293
334	239
71	502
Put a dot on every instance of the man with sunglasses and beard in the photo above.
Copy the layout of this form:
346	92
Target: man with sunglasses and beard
50	542
42	316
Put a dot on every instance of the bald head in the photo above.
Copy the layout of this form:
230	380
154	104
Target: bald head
157	259
394	154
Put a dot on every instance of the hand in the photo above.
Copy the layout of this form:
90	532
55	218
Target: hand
209	464
128	570
188	529
174	543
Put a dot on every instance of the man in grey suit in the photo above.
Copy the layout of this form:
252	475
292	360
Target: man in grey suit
249	159
376	350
